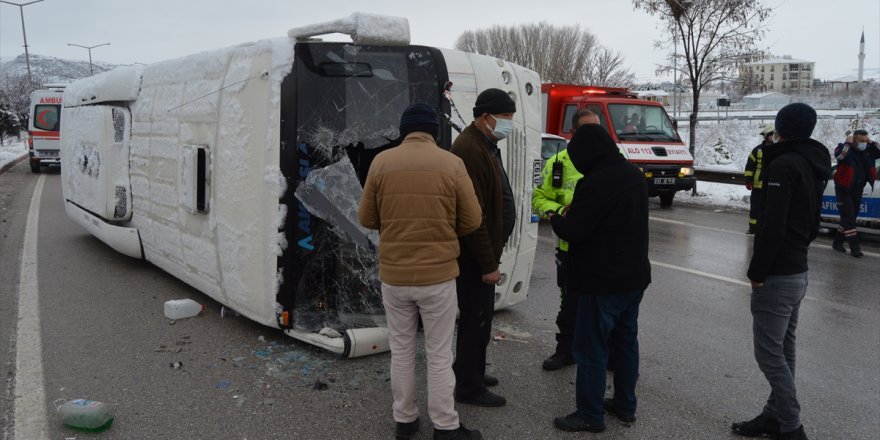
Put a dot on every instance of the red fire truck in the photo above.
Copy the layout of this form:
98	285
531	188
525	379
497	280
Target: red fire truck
642	129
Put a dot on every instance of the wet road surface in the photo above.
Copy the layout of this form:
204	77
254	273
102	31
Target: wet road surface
104	337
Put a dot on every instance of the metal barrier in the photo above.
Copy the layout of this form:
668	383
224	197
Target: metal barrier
733	177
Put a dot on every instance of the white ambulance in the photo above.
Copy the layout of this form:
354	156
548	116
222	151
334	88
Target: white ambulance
44	127
239	170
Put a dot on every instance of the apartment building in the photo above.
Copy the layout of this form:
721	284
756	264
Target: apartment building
784	74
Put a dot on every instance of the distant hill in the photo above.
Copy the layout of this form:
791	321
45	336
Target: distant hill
53	70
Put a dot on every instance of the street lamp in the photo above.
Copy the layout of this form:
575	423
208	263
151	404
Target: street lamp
27	57
91	71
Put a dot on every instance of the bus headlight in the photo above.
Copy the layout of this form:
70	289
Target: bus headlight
686	171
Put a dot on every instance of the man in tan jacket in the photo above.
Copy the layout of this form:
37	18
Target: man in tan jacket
421	200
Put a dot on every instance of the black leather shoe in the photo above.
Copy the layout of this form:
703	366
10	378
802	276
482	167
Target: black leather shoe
573	423
857	254
629	419
558	361
797	434
460	433
838	246
406	431
490	381
488	399
760	426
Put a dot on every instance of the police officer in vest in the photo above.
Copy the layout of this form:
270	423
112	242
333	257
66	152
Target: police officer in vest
559	178
753	176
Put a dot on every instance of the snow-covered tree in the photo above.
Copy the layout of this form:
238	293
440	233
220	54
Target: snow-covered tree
10	125
709	40
566	54
15	95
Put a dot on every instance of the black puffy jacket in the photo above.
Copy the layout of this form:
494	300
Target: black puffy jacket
607	223
795	174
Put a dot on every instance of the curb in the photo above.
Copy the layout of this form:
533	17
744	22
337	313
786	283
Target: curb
12	163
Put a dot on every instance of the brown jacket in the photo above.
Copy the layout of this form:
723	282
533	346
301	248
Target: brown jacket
421	200
483	246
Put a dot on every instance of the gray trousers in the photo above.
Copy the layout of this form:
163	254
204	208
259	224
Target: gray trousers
775	307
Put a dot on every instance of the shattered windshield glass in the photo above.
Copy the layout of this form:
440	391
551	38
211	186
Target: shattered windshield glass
341	107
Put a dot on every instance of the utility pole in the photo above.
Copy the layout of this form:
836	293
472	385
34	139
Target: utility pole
27	57
91	70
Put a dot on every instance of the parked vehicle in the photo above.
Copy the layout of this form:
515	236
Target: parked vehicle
643	130
868	219
239	170
44	127
551	144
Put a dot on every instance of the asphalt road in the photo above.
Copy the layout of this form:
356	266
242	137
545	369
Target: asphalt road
104	337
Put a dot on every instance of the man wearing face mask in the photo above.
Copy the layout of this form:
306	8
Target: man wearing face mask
855	168
481	250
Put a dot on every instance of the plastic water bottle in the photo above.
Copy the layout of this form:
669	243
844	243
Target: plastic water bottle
182	308
89	415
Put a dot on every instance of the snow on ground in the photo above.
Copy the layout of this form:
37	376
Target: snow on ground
11	150
721	195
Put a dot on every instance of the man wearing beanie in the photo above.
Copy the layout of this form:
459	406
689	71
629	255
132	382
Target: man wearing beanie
421	200
606	227
481	249
796	170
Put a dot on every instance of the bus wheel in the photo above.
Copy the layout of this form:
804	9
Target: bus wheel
666	199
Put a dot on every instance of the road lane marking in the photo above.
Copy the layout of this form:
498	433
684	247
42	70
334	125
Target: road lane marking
30	399
708	228
702	274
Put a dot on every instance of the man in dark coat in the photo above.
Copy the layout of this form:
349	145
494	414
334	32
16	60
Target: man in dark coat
607	230
481	249
855	169
797	169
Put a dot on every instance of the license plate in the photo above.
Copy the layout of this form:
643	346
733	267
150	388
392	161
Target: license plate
664	181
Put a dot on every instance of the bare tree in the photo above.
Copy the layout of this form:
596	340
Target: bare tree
605	67
568	54
716	36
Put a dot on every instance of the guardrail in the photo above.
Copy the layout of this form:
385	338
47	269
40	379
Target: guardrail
732	177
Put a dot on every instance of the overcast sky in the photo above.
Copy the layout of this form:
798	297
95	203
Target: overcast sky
146	31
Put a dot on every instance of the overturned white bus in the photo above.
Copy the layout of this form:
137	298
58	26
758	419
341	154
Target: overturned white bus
239	170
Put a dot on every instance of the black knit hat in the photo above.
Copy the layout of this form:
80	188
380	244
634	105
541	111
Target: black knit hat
419	117
795	121
494	102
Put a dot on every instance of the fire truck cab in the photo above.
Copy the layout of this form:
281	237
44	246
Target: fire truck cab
643	131
44	127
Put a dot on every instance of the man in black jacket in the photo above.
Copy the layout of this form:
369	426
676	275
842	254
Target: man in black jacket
797	169
607	230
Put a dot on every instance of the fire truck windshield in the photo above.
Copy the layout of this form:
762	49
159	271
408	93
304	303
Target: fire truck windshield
636	122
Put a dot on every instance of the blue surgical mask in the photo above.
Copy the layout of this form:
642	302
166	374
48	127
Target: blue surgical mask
862	146
503	128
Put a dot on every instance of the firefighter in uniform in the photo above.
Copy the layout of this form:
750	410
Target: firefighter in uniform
753	177
559	178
